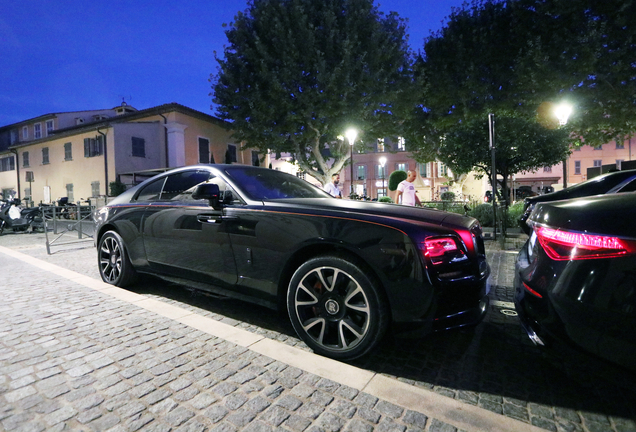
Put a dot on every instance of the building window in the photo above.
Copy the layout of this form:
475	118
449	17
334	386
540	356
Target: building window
93	146
94	188
7	163
138	147
362	172
49	127
619	164
598	163
25	133
401	167
69	192
381	192
443	170
424	170
45	155
620	145
381	171
255	160
301	174
577	167
547	169
204	150
577	148
401	144
14	136
231	154
380	145
68	151
25	159
37	131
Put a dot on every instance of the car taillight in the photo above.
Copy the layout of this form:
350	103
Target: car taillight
563	245
441	250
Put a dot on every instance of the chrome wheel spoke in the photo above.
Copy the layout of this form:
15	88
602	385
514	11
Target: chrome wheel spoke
306	291
347	326
311	323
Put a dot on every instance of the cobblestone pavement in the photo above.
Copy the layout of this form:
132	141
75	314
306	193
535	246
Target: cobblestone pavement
494	366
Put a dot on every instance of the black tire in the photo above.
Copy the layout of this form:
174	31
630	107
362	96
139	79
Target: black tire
337	308
115	267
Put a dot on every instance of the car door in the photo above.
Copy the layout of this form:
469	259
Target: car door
183	237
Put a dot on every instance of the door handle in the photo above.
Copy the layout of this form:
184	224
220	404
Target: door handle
214	219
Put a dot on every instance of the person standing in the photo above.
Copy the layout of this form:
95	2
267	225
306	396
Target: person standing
332	187
406	190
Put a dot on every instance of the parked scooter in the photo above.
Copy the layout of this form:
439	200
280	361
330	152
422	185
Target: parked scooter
12	217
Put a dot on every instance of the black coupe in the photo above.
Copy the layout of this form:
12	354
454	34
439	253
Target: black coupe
575	278
344	270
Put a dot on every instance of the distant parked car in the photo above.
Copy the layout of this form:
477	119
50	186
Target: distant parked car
523	192
343	270
575	278
615	182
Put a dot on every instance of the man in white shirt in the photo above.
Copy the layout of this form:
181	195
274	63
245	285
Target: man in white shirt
332	187
407	191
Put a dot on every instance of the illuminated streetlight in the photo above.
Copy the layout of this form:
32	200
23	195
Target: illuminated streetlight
382	162
351	135
563	112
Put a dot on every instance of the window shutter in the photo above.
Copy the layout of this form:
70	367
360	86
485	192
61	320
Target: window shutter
87	147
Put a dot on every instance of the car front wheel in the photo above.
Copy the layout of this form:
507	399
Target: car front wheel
337	308
114	265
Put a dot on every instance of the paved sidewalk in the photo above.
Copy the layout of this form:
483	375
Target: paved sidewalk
81	355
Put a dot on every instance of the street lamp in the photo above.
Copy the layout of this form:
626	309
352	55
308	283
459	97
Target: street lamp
562	112
382	162
351	135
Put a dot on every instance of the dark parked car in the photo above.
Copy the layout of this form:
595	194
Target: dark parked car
344	270
614	182
575	278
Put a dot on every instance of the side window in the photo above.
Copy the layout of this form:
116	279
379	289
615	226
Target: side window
629	187
180	183
151	191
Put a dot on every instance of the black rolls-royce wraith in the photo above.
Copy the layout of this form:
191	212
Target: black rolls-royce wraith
344	270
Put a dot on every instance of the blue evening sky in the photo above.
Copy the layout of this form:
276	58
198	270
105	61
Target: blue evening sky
72	55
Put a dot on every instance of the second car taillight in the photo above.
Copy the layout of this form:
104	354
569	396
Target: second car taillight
562	245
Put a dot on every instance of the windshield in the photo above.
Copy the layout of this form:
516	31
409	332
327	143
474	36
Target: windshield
267	184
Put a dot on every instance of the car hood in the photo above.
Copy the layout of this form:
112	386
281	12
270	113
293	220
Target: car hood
420	214
612	214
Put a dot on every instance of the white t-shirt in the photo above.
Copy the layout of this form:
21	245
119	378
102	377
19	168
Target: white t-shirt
408	192
332	189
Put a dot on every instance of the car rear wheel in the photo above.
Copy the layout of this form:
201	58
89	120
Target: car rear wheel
114	265
336	308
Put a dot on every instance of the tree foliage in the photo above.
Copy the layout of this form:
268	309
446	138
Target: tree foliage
297	73
395	178
518	59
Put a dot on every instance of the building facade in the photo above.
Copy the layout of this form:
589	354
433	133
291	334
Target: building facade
77	155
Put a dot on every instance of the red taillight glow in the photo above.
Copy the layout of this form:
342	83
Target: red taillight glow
531	291
435	248
565	245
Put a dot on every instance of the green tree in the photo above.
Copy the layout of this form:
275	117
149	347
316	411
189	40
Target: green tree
521	145
524	56
297	73
395	178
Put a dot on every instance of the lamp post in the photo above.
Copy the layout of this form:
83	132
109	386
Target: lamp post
562	112
351	135
382	162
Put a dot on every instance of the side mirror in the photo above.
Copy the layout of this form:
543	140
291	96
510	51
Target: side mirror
210	192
